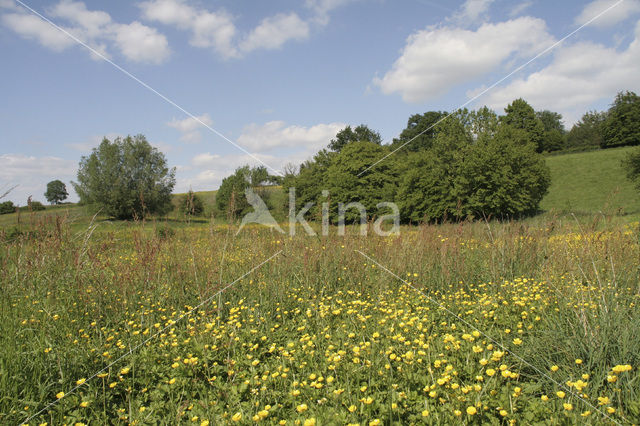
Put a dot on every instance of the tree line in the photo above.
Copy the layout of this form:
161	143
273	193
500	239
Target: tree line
443	166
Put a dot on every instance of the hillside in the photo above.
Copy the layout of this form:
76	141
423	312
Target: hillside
590	182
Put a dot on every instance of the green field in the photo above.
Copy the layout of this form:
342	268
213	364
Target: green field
591	182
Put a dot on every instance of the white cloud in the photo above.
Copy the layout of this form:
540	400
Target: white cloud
579	75
190	127
217	30
520	7
137	42
31	174
33	28
275	31
322	8
472	11
435	60
208	29
140	43
276	134
618	13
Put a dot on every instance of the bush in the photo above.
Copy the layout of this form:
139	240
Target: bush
7	207
36	206
495	172
126	178
191	205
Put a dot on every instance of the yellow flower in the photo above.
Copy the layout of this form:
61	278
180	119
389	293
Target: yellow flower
545	398
84	404
471	410
302	408
611	410
375	422
578	361
310	422
204	423
425	413
352	408
503	413
236	417
491	372
124	371
80	381
560	394
603	400
567	406
554	368
517	341
142	409
60	395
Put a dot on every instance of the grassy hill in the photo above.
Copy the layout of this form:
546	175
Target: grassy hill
590	182
582	183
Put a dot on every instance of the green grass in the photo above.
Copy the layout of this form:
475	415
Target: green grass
591	182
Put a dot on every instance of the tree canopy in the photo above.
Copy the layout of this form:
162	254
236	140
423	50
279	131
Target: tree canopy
56	192
622	126
420	131
520	115
587	132
126	178
357	134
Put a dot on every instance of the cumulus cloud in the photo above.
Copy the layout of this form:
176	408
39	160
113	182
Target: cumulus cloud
614	15
208	29
276	134
472	11
436	59
274	31
31	174
190	127
135	41
579	75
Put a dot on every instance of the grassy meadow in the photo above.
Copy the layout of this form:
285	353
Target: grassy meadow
169	321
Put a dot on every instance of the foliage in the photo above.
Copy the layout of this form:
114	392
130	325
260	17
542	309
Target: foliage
230	198
309	181
588	131
35	206
126	178
348	180
191	204
473	173
622	126
554	131
358	134
56	192
7	207
631	166
420	131
520	115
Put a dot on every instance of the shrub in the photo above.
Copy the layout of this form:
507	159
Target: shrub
7	207
191	205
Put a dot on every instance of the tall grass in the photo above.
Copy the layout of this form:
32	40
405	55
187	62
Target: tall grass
68	297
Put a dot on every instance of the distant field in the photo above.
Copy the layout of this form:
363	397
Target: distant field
590	182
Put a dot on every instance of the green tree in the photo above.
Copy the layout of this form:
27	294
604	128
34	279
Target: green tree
554	137
7	207
347	183
631	165
520	115
348	135
56	192
588	131
420	131
126	178
622	126
230	198
308	182
191	204
472	173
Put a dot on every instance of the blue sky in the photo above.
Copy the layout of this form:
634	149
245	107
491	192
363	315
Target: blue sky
280	78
